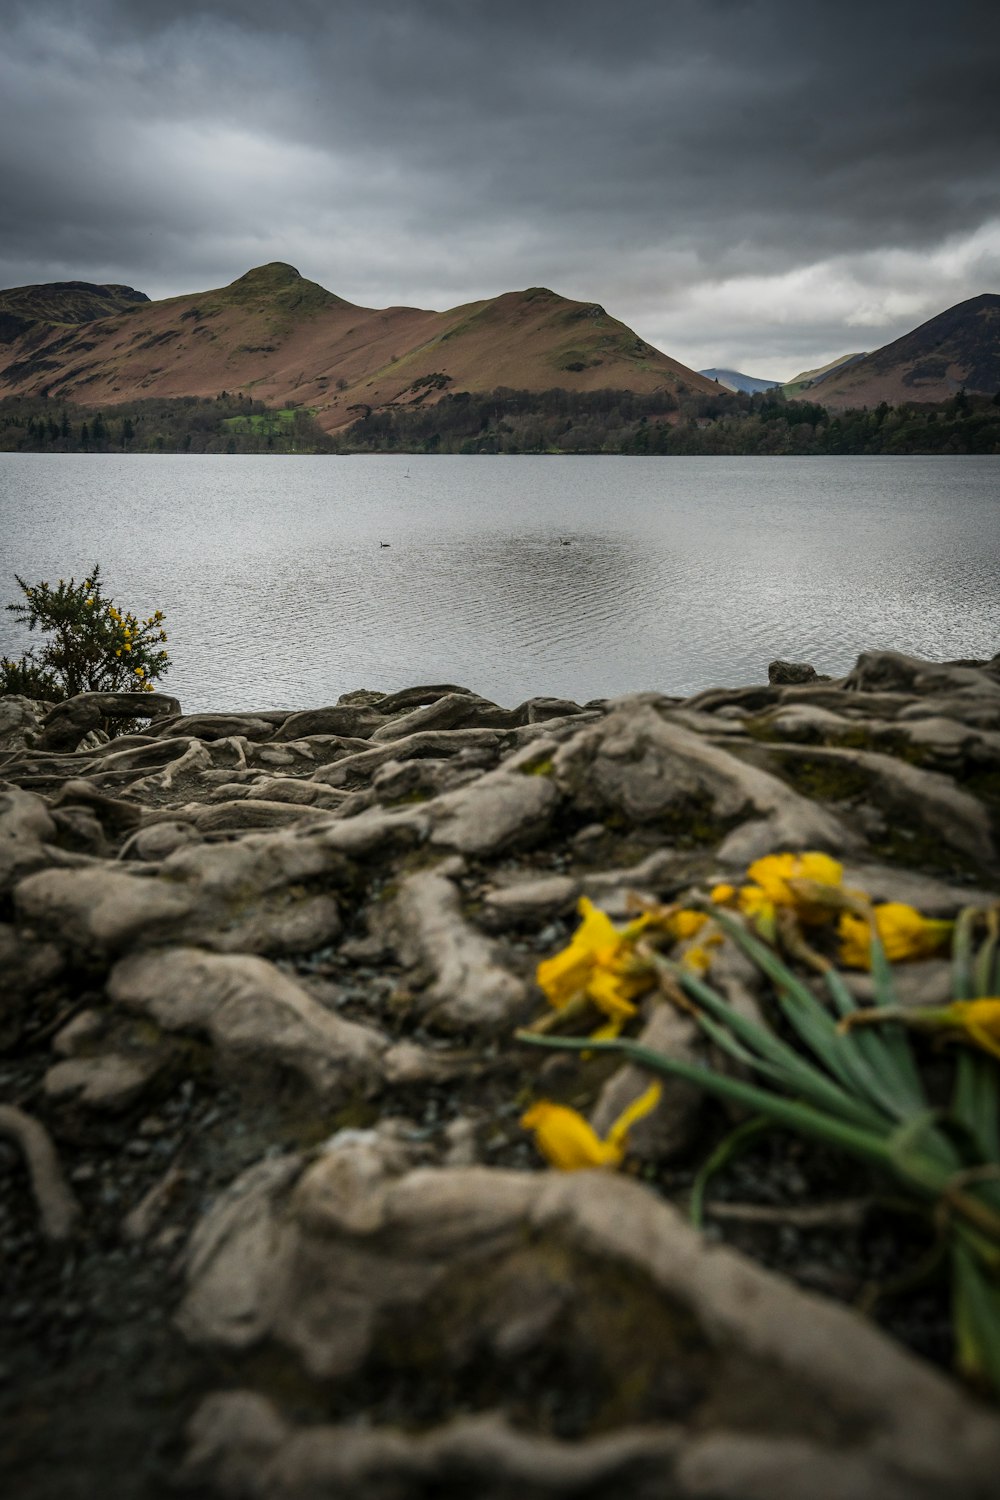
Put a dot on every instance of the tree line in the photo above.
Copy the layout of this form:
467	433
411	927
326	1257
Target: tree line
560	421
227	423
511	421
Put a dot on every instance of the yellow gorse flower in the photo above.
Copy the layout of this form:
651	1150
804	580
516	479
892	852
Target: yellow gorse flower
903	931
570	1142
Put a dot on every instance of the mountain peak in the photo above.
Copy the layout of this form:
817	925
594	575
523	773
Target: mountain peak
270	277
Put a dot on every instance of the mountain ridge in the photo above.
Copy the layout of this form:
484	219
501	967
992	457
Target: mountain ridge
288	341
957	349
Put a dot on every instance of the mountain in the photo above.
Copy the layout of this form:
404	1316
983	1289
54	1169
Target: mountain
804	381
959	348
733	380
61	302
287	341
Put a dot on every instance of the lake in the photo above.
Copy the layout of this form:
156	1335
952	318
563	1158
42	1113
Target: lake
513	576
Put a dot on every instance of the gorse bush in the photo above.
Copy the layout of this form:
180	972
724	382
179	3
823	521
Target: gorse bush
92	646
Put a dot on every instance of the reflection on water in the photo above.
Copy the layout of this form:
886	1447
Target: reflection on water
678	573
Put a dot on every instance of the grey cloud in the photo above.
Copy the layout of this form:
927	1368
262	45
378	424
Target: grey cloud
434	151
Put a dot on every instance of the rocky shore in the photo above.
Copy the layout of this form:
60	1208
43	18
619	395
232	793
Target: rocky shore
270	1226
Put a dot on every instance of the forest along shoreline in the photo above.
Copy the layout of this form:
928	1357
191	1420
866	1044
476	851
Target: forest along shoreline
280	1211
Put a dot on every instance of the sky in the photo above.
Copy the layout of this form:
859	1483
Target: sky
749	184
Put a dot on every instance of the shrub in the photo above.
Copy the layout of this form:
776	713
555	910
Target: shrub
92	647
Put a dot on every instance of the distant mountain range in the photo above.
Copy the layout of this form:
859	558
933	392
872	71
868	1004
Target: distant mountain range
286	342
735	380
808	379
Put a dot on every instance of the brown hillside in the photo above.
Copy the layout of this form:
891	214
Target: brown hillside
285	340
958	348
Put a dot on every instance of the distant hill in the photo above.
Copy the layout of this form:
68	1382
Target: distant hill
287	341
809	378
61	302
733	380
960	348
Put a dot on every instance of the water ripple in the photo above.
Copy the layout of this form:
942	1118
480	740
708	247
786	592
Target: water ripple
679	573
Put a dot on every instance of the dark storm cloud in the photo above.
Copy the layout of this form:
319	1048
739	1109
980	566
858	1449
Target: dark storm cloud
795	167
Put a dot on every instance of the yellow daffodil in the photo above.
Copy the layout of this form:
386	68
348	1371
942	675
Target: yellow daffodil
685	924
139	672
89	603
783	878
975	1021
724	895
126	646
904	933
698	957
978	1020
598	962
570	1142
118	652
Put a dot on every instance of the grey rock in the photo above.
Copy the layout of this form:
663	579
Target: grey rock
107	1084
291	1257
675	1123
20	722
26	826
240	1444
636	763
351	721
502	808
529	901
782	672
469	988
157	840
253	1014
67	723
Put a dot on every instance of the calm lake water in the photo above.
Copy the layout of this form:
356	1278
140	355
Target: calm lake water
679	573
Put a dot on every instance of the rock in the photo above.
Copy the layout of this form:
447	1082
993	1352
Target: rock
782	672
892	671
241	1445
28	965
67	723
923	801
26	825
416	697
107	1084
290	1256
343	720
96	913
636	764
529	901
20	722
512	805
157	840
469	989
210	727
356	770
449	711
674	1125
253	1015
